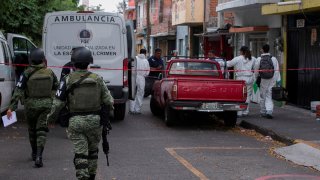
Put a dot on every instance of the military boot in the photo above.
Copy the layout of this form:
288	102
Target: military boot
34	152
92	177
38	163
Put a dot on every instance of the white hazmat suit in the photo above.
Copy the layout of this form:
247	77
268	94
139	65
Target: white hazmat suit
266	103
244	71
143	70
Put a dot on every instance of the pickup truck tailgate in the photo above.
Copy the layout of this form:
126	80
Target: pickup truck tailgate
211	90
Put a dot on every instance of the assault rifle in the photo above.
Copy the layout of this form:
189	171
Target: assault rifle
105	122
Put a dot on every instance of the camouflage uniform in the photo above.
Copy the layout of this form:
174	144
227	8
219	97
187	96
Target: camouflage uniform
36	109
84	129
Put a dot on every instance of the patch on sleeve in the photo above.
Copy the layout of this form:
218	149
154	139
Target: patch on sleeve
21	84
62	90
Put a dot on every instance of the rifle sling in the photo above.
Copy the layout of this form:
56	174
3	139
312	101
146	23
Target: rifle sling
34	71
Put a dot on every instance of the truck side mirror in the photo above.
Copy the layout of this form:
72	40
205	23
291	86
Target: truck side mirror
160	76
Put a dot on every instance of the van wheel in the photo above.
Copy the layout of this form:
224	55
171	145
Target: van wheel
119	111
170	115
230	118
155	109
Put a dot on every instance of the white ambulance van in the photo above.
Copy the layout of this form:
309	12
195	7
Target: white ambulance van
111	41
16	44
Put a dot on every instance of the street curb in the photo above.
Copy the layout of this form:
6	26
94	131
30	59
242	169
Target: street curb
309	143
267	132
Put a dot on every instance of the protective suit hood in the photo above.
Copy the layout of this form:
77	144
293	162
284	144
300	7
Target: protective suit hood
246	60
141	56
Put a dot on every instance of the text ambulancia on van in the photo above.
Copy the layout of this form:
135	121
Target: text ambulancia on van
110	40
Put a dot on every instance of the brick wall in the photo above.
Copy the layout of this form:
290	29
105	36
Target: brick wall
213	5
228	18
164	26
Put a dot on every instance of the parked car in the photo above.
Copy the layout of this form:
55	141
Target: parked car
198	86
15	44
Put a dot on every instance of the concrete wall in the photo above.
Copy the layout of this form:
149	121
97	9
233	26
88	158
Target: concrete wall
187	11
182	36
253	17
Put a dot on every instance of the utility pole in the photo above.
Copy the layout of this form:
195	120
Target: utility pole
148	26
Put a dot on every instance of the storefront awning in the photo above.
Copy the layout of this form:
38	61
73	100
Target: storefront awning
249	29
213	32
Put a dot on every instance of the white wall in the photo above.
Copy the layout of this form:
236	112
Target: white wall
253	17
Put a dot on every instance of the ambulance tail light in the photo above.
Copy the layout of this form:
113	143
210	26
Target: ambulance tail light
125	72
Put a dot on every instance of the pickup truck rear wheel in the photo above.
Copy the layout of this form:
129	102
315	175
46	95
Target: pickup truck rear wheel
230	118
170	115
155	109
119	111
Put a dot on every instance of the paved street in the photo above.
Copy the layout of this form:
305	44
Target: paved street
142	147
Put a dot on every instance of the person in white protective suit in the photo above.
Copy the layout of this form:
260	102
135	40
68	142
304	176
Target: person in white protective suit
244	70
212	56
143	70
266	103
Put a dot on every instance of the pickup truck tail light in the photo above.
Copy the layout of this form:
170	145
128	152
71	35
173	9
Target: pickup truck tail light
125	72
244	92
174	92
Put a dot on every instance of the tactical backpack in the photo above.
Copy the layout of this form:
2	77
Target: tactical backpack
266	67
85	97
39	84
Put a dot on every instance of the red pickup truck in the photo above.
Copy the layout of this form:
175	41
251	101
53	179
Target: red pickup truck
197	85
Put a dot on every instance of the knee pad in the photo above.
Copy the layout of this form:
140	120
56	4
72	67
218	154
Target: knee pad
80	165
93	154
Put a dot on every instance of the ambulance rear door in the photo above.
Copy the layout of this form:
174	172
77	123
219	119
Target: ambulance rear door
132	61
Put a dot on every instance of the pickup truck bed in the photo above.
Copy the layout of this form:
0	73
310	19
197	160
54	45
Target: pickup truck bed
199	91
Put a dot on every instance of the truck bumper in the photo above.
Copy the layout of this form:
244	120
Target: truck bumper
208	106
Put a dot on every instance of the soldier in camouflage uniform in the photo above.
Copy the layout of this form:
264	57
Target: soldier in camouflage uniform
84	103
38	84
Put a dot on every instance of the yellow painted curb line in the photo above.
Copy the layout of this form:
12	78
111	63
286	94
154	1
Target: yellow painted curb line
190	167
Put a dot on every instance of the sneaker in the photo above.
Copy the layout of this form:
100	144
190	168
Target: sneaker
263	115
269	116
134	113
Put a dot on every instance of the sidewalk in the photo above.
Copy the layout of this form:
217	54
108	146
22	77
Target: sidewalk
293	126
289	123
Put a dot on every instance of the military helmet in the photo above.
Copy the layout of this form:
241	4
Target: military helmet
81	54
37	56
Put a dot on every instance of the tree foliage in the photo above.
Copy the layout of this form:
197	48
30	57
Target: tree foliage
26	17
122	6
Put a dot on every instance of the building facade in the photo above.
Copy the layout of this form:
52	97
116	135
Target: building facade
190	13
301	45
250	27
141	25
163	34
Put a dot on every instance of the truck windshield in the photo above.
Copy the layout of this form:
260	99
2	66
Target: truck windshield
194	68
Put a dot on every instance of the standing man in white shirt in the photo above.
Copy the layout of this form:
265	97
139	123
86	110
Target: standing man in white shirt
143	70
268	70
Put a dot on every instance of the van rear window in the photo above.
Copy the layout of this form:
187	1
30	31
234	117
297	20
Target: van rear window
104	40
